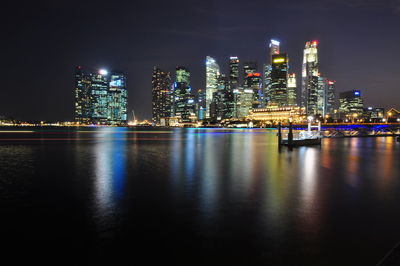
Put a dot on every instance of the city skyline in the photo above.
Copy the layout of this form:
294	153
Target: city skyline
348	59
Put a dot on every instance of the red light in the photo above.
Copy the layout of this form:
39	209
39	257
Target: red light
257	74
315	42
250	75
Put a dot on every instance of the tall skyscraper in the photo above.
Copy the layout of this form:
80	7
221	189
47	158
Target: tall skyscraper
330	98
248	68
83	96
351	104
233	72
100	97
162	95
184	100
292	90
279	77
212	74
322	95
118	99
274	49
309	85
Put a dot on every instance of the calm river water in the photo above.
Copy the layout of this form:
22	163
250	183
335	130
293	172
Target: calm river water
196	197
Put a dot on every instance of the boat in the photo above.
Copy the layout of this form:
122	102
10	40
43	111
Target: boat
305	137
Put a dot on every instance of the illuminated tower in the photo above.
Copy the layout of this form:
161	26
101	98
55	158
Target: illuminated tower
233	72
274	49
161	92
291	90
117	99
83	85
279	77
309	84
212	74
330	98
184	104
99	97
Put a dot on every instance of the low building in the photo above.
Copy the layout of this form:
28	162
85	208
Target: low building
274	114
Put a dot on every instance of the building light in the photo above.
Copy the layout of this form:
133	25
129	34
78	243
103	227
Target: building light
274	42
103	72
279	60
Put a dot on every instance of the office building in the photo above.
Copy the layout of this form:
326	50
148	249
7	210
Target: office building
292	90
183	98
351	104
310	72
162	95
118	99
279	77
212	74
233	72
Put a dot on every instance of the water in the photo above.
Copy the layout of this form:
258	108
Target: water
196	197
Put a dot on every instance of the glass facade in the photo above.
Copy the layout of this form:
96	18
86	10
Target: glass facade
212	74
279	77
184	100
161	95
310	72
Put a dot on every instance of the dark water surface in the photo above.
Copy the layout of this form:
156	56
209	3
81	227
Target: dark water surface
196	197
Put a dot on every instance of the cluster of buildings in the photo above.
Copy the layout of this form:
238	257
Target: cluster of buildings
100	97
245	93
248	94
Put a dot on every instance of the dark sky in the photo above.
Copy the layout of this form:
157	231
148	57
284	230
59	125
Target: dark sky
43	41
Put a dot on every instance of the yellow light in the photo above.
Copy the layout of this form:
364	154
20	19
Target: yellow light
279	60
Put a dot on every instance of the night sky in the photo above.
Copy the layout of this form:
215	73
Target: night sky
43	41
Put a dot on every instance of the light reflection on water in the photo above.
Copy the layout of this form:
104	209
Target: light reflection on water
226	186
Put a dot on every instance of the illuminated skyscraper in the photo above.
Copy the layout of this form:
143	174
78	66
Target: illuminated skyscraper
274	49
212	74
184	100
233	72
83	96
309	85
162	95
201	104
330	98
291	90
351	104
248	68
322	95
117	99
279	77
100	97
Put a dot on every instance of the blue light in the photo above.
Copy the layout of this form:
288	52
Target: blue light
357	93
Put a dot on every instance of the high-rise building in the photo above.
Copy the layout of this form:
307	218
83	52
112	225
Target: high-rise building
212	73
292	90
233	72
222	106
279	77
351	104
162	95
330	98
274	49
243	102
184	100
248	68
118	99
100	97
83	96
201	104
322	95
309	85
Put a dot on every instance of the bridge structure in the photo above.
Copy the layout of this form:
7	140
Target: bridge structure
331	130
